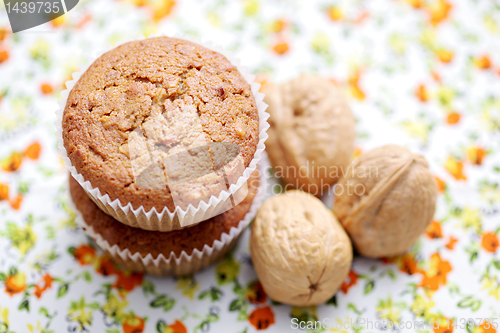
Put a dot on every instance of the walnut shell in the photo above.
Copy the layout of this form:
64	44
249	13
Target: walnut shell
386	200
299	250
312	132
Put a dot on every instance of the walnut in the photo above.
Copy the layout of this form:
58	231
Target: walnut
299	250
386	200
311	138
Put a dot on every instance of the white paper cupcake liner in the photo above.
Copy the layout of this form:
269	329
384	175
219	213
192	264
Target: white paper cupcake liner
166	220
184	264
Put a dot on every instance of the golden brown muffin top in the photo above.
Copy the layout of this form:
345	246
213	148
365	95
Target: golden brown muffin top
155	242
132	86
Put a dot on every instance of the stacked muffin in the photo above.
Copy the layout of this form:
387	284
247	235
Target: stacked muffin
162	137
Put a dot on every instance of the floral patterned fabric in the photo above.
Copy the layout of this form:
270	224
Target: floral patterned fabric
424	74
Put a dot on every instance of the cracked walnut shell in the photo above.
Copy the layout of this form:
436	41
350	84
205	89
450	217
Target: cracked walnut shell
299	250
311	138
386	201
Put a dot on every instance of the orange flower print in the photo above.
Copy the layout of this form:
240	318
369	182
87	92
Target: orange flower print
3	34
281	47
389	260
45	284
85	19
67	78
441	185
262	79
15	283
357	93
85	254
127	281
451	243
487	327
177	327
139	3
417	4
357	152
443	325
162	9
455	168
255	293
436	76
408	264
483	62
489	242
13	162
356	90
133	324
476	155
351	280
4	55
453	118
362	17
334	13
261	318
422	93
438	11
33	151
445	56
105	266
278	26
46	88
4	192
435	276
434	230
58	21
15	203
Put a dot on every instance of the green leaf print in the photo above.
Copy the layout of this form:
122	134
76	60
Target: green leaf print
163	301
63	289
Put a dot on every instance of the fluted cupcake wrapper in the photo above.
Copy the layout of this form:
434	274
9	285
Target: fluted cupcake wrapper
183	264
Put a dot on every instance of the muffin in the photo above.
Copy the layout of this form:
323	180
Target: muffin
311	138
179	252
158	124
